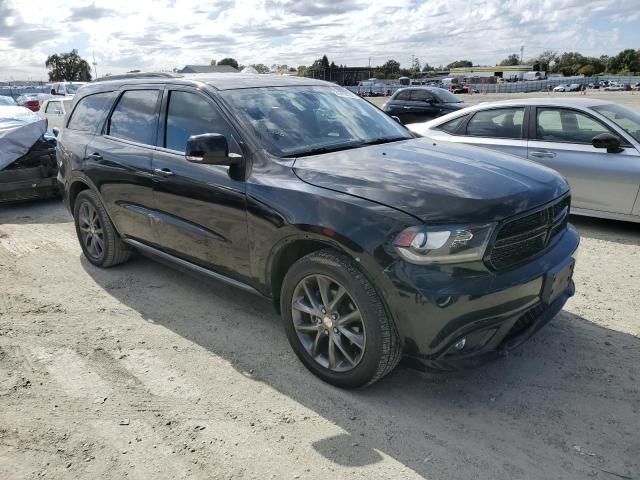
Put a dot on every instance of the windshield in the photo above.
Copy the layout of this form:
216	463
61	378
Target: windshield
445	96
4	100
626	119
292	121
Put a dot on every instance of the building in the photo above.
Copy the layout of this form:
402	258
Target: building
508	73
208	69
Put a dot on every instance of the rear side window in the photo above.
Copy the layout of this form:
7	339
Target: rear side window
499	123
404	95
452	125
191	114
135	117
89	112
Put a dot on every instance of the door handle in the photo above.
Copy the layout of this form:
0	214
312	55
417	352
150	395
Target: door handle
407	108
542	154
163	172
95	157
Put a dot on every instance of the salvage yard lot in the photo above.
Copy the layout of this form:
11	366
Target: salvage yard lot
145	372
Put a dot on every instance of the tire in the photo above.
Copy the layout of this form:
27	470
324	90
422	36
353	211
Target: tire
112	250
375	330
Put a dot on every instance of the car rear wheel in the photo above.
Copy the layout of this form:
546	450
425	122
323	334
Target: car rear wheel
98	238
336	322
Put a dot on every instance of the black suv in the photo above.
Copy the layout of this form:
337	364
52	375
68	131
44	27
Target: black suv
417	104
371	243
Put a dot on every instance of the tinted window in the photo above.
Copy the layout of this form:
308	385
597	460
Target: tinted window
53	107
500	123
135	118
404	95
626	119
89	112
191	114
452	125
421	96
561	125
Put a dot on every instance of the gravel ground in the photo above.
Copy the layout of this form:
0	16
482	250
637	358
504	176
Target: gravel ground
144	372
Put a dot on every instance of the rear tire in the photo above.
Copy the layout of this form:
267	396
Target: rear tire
98	238
336	322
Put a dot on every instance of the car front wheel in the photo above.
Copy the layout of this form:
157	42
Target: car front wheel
336	322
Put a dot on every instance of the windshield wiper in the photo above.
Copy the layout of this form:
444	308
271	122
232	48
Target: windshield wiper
381	140
320	150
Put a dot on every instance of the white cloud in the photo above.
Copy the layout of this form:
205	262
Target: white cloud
161	35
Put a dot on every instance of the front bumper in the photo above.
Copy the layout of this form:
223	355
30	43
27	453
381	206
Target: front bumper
435	307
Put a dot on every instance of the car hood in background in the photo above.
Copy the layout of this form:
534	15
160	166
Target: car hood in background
436	182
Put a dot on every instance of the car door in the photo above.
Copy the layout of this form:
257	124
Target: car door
561	139
54	114
499	129
423	105
201	208
400	105
118	161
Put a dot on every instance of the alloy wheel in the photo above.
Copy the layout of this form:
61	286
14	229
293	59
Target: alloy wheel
91	232
328	323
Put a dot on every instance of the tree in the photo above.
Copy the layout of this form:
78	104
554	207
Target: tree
229	61
324	62
512	59
460	64
415	66
427	68
391	65
302	71
68	67
587	70
213	63
626	61
261	67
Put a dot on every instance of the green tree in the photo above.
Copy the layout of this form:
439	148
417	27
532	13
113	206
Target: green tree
460	64
68	67
587	70
261	67
229	61
626	61
302	71
513	59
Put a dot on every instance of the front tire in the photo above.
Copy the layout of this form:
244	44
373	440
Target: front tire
98	238
336	322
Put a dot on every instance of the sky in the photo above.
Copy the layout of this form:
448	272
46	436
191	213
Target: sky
159	35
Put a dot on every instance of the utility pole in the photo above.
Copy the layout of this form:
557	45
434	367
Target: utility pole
95	65
521	54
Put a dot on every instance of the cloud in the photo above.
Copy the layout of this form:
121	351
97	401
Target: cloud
167	34
90	12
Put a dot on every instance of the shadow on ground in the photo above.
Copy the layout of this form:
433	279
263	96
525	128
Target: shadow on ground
627	233
550	410
35	211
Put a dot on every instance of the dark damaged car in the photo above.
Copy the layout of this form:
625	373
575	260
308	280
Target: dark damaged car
371	243
28	167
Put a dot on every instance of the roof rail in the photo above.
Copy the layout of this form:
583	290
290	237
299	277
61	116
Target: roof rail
126	76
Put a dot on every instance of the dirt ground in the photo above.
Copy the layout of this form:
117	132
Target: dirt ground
144	372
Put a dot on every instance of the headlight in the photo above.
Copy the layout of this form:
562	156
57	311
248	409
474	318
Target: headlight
443	244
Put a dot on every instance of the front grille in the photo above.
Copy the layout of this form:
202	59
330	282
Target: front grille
527	236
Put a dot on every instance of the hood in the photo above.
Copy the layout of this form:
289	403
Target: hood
20	128
436	182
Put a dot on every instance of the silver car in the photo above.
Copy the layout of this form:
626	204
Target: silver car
595	144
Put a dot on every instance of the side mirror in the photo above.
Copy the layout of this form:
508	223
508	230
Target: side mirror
397	119
608	141
56	131
210	149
